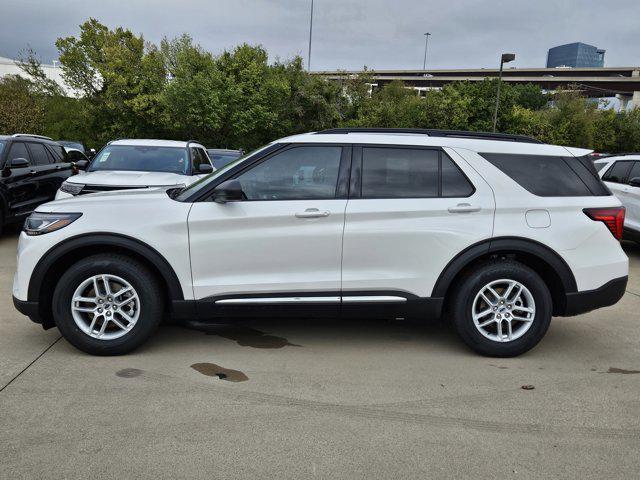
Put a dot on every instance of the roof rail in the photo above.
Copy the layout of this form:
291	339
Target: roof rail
506	137
32	135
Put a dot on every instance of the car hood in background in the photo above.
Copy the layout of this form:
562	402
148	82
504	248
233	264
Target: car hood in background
131	179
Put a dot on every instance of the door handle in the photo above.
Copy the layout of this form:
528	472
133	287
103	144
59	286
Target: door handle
32	172
313	213
464	208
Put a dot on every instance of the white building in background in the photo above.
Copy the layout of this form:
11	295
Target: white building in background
11	67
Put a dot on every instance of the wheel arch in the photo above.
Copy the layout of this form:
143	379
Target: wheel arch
60	257
543	260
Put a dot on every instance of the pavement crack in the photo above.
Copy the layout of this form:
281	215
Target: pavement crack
31	363
633	293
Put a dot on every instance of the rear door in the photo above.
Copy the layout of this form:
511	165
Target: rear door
411	211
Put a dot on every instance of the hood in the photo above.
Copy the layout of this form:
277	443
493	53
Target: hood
138	196
131	178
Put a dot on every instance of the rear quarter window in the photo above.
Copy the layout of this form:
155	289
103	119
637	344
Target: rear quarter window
549	176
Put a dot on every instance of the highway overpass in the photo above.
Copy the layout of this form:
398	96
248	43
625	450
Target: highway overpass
620	82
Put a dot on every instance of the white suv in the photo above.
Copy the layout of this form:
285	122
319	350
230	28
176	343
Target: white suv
134	164
498	232
622	175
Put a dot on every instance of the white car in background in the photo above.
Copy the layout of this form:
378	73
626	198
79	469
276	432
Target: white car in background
622	175
134	164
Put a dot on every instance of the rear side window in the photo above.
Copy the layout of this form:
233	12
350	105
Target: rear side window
600	166
399	173
635	171
549	176
39	154
618	172
411	173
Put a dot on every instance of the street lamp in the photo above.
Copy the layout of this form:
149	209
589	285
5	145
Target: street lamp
310	33
505	58
426	43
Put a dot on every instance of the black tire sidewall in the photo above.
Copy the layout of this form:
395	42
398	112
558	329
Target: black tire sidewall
477	279
144	283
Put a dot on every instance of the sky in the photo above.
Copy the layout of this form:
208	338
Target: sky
347	34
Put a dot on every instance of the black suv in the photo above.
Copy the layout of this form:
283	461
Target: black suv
33	168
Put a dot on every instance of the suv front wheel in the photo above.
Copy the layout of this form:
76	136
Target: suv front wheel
107	304
501	308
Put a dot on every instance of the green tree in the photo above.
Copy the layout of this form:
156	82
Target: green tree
21	106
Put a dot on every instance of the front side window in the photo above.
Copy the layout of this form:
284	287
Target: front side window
142	159
298	173
18	150
618	172
198	158
399	172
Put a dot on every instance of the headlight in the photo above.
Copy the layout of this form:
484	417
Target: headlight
72	188
41	223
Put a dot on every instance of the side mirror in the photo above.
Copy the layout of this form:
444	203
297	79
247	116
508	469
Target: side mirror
229	191
635	182
205	168
19	163
81	164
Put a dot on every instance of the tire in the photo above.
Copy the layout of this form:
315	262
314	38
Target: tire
500	275
118	271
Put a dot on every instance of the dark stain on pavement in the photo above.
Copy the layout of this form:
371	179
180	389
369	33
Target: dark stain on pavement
129	372
213	370
622	370
250	337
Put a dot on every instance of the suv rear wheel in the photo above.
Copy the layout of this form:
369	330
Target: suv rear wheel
107	304
501	308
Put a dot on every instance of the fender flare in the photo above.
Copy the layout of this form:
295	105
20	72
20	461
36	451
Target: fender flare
503	244
50	258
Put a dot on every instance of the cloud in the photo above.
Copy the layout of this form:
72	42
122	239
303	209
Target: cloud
382	34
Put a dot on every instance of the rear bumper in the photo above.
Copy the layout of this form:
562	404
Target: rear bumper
606	295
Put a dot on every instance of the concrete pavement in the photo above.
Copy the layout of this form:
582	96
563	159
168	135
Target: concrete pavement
322	399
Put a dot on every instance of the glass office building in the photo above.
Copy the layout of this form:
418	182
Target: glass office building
575	55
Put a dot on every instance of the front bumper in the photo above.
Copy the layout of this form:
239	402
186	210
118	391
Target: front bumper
608	294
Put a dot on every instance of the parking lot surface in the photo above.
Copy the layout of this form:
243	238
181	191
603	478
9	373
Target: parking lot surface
322	399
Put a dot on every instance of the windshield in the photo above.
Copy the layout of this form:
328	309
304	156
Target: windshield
141	159
203	182
77	146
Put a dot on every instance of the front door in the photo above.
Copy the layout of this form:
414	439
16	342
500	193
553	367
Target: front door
23	188
282	245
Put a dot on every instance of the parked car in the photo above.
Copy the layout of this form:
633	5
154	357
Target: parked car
135	164
33	168
498	232
622	175
78	157
221	157
77	145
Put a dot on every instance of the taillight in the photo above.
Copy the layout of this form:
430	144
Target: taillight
612	217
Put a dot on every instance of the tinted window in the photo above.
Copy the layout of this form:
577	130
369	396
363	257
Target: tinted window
454	183
618	172
39	155
295	174
1	147
600	166
198	157
58	153
18	150
635	171
399	173
221	159
542	175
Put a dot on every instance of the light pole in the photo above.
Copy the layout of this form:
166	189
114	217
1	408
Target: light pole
310	34
505	58
426	44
